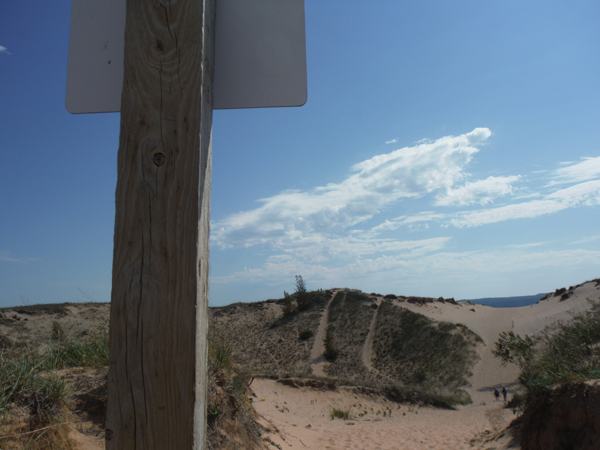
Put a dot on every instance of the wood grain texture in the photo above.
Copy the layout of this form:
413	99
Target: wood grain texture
158	323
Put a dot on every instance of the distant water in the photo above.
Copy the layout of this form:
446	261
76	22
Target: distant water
507	302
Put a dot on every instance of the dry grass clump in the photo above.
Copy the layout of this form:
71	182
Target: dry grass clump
46	392
263	341
33	411
231	418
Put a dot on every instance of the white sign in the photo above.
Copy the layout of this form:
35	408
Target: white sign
260	55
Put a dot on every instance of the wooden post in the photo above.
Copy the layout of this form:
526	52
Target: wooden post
158	322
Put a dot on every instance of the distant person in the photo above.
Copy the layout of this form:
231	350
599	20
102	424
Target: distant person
504	392
497	394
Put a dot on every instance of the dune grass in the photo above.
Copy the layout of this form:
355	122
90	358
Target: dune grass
350	315
420	354
340	414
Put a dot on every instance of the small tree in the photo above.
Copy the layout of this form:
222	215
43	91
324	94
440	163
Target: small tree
512	348
303	300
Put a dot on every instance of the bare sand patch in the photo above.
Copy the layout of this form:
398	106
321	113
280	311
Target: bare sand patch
301	419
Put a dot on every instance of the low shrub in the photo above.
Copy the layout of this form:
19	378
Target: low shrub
305	334
559	354
331	352
340	414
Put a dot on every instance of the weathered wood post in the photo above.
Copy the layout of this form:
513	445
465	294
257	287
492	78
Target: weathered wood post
158	322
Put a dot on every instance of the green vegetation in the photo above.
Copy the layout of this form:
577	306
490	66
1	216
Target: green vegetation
28	380
350	316
24	383
289	307
300	300
430	397
303	300
60	309
433	357
559	354
340	414
305	334
264	341
229	414
219	355
331	352
69	351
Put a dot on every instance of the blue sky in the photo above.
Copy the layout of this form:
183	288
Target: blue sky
447	148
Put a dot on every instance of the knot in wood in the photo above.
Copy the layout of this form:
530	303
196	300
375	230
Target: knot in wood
158	159
109	434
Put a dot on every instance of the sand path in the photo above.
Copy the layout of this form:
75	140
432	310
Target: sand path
316	358
367	351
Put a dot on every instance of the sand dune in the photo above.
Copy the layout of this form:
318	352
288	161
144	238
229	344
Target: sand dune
300	418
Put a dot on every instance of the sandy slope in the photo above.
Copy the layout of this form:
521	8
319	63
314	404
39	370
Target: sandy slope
488	322
301	418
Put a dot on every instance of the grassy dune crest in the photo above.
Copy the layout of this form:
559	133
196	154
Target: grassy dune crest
413	350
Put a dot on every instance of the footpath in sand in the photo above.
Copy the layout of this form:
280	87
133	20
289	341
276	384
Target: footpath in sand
300	418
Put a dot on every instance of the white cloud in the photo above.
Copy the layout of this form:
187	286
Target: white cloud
393	141
586	240
533	244
481	191
3	49
5	256
302	217
587	193
346	257
585	170
583	194
418	221
428	274
524	210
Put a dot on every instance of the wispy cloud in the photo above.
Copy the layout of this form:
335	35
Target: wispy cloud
449	266
587	169
301	217
393	141
582	194
326	233
5	256
533	244
417	221
3	49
